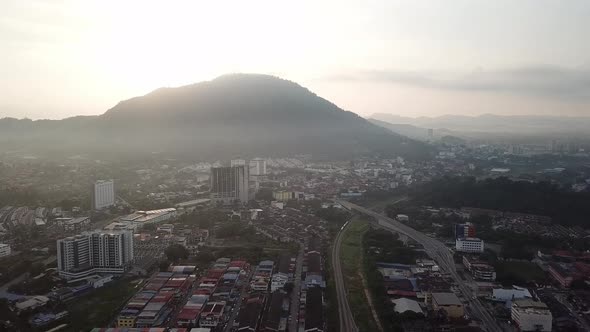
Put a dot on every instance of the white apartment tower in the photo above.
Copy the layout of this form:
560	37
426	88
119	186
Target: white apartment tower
73	254
258	167
103	194
94	252
111	249
229	185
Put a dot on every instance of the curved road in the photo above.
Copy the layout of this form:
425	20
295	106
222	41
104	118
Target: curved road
438	251
346	323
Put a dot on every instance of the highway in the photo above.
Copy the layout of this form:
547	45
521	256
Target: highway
439	252
346	321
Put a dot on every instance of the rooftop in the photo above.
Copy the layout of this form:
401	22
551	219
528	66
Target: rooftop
314	263
314	315
446	299
284	263
250	312
193	202
214	308
273	316
470	239
403	304
189	313
510	294
528	303
32	302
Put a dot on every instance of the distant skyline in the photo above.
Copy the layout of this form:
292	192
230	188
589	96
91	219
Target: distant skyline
412	58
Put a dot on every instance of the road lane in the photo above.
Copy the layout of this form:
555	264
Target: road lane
296	293
436	250
346	319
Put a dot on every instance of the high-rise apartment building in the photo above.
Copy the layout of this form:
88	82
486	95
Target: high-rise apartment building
237	162
94	252
73	254
103	194
257	173
229	185
257	167
464	230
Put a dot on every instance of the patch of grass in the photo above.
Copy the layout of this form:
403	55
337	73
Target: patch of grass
514	272
351	267
99	307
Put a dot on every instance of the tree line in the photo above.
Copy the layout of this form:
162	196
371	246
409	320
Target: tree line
542	198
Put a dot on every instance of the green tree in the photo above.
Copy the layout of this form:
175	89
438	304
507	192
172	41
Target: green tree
163	266
5	312
264	194
149	227
515	250
288	287
580	285
36	269
204	219
204	257
68	204
229	230
176	252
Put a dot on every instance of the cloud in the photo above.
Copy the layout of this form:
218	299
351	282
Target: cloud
567	84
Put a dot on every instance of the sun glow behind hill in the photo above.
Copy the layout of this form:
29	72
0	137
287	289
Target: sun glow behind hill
240	114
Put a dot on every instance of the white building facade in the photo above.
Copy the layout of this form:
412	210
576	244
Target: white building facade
237	162
4	250
103	194
258	167
531	315
76	224
94	252
469	244
73	254
278	281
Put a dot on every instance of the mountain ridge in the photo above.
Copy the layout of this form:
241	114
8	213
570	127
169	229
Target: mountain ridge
239	114
493	123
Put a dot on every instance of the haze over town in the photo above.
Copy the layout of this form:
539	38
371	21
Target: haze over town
294	166
411	58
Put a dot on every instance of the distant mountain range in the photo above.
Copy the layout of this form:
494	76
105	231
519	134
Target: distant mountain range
487	124
408	130
233	115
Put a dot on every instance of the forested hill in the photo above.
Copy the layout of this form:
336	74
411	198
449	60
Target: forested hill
233	115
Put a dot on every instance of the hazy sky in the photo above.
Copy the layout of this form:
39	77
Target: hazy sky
64	58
